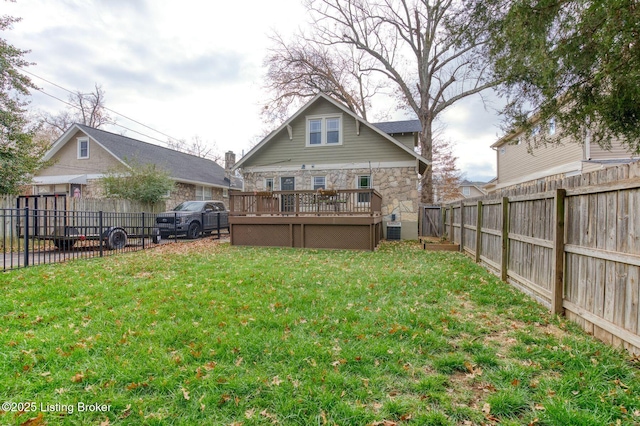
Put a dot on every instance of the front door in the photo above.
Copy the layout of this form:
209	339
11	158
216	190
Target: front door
288	183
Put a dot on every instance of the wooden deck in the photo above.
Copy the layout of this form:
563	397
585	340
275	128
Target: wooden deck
334	219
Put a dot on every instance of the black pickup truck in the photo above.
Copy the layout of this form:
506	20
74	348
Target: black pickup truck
193	219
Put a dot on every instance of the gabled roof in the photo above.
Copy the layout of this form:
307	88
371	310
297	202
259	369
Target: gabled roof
422	161
397	127
182	167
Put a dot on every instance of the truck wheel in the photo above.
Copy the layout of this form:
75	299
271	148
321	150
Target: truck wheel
194	230
117	239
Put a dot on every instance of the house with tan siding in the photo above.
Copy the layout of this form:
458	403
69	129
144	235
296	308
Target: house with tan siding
326	146
83	155
520	159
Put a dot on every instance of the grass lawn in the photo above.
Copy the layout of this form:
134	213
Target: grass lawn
206	333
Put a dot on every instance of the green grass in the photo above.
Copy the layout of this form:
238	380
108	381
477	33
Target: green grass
211	334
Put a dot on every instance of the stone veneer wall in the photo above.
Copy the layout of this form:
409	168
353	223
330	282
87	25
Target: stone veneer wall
181	192
398	187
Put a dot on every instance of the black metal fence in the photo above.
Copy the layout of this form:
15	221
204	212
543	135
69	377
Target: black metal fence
38	236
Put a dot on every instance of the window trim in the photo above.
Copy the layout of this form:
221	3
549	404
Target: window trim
361	197
551	126
79	148
323	129
266	184
466	191
324	182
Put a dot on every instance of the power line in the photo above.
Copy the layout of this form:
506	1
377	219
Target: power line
108	109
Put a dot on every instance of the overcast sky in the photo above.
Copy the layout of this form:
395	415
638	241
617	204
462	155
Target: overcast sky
187	68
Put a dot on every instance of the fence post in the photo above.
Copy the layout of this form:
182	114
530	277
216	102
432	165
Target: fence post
218	220
144	231
504	266
451	239
558	253
26	235
479	232
462	226
101	233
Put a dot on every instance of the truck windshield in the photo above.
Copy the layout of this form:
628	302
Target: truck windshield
189	206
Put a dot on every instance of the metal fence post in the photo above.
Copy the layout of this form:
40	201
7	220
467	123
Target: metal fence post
26	236
101	231
144	232
175	227
218	220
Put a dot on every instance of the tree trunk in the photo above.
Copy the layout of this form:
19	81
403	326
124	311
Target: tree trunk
426	149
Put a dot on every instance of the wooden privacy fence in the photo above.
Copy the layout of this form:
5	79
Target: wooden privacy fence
576	250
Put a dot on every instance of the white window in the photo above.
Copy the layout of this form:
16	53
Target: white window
83	148
324	130
268	184
466	191
319	182
552	126
535	131
204	193
364	182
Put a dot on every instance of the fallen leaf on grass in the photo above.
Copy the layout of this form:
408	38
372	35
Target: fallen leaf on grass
270	416
78	378
185	394
34	421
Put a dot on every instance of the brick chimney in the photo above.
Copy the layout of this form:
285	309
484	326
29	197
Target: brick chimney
229	162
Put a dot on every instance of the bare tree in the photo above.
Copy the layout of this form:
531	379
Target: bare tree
298	69
197	147
84	108
446	175
432	51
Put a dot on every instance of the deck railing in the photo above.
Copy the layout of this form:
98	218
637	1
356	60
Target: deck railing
342	202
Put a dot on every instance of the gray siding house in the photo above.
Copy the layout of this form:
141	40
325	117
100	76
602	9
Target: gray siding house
326	146
83	155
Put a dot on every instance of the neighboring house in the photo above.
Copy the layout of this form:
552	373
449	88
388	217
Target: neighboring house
470	189
561	156
325	145
83	155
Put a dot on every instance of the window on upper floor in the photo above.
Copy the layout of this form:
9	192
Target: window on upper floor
466	191
83	148
324	130
551	126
